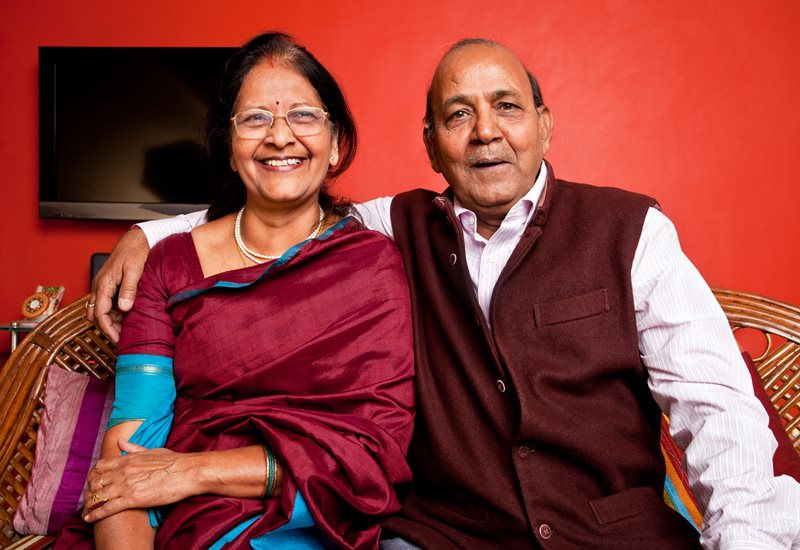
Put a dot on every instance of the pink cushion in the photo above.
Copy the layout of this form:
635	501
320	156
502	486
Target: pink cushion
76	410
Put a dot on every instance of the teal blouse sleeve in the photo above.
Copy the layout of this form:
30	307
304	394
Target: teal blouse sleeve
143	382
144	390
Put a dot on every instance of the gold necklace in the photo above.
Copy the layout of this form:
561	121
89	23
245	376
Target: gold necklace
256	257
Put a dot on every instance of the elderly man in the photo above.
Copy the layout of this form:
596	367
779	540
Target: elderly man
553	323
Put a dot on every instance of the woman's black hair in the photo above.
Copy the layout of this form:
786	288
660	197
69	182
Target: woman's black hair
230	193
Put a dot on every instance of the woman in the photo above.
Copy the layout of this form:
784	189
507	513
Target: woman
272	343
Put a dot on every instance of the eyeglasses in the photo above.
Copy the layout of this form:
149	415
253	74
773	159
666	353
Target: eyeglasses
257	123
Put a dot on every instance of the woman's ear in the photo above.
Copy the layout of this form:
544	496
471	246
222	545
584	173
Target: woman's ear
334	148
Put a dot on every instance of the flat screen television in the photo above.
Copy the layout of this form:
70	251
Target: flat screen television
120	130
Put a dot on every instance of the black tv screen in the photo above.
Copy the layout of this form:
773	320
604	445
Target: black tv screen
120	130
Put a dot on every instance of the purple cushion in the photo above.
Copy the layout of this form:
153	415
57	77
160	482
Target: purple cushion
76	410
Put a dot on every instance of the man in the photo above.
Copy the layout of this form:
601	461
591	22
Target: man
553	321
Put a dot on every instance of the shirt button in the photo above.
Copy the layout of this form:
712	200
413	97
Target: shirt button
501	386
524	451
544	531
453	258
493	258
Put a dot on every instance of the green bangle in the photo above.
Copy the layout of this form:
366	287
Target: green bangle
270	471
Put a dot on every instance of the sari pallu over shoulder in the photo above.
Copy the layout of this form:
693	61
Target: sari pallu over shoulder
311	355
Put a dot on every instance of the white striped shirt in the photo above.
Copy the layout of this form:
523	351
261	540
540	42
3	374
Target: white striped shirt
696	373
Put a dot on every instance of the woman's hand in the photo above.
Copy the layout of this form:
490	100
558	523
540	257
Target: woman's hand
147	478
144	478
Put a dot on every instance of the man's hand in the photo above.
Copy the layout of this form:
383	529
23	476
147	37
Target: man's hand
123	269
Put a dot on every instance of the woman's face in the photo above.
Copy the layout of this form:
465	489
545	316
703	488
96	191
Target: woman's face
281	170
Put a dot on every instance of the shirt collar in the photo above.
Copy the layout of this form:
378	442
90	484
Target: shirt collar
523	209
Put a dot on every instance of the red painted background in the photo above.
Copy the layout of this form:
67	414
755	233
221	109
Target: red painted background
693	102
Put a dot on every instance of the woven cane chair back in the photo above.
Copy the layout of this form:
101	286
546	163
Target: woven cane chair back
66	339
778	359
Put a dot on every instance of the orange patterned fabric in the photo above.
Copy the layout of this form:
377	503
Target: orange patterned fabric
676	486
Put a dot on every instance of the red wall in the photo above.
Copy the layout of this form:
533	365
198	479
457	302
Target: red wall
693	102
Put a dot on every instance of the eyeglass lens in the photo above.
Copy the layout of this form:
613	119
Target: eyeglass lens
257	123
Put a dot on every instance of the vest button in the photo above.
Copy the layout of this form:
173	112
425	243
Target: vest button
544	531
523	451
501	386
453	258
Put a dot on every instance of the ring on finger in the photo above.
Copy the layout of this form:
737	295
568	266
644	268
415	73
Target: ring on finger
97	501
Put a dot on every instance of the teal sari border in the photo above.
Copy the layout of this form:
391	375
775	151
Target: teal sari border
284	259
140	363
299	533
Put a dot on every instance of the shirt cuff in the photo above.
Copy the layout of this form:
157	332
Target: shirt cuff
745	545
157	230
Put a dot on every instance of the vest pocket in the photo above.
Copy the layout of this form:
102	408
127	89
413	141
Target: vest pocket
626	504
571	309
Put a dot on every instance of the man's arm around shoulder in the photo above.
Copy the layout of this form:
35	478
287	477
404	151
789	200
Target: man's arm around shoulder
124	267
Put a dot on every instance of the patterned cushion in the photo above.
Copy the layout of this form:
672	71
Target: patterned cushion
676	486
786	461
76	410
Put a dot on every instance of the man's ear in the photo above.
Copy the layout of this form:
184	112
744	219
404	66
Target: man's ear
430	147
545	127
233	164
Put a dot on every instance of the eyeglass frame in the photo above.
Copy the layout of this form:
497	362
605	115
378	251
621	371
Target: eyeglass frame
325	114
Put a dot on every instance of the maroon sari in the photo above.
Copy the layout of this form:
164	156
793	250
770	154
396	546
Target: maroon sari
311	354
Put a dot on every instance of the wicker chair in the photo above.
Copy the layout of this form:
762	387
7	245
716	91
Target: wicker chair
777	360
70	341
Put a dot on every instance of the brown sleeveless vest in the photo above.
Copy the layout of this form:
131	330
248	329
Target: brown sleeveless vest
541	432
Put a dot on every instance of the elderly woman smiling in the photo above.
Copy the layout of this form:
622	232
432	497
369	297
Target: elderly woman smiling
264	382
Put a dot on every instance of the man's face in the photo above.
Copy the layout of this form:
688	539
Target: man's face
487	138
